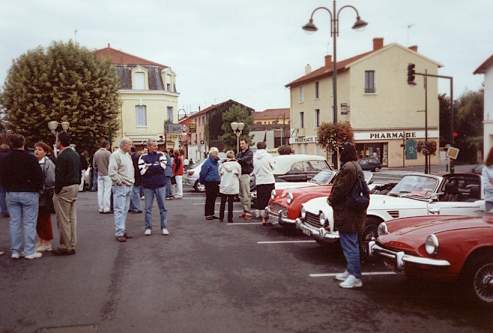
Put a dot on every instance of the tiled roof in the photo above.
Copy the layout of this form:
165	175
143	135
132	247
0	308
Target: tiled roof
271	113
214	106
118	57
484	66
327	71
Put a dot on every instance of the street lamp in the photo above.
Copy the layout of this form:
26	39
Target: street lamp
237	129
53	126
334	33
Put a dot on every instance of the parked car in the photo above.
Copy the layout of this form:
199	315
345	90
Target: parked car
414	195
192	175
443	248
370	164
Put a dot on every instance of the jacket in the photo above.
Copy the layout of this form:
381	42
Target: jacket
230	172
67	171
168	171
137	175
178	166
263	168
21	172
152	167
209	172
245	158
121	168
346	220
101	160
48	168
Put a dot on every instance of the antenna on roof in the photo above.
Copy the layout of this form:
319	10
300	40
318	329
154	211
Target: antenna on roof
408	29
75	36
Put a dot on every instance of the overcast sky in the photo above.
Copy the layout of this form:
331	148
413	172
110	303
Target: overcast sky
248	50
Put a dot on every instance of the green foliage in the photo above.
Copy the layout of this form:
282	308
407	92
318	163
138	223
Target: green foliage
469	125
331	136
444	107
63	81
235	113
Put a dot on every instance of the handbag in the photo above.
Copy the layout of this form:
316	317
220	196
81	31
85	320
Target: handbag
359	197
46	200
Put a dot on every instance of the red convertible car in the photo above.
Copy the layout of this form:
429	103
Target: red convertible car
444	248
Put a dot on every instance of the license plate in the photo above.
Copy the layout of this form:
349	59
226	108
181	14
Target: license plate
307	232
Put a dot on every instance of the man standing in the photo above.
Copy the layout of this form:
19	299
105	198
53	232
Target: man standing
245	158
168	173
22	178
100	162
121	172
135	196
152	166
67	180
4	151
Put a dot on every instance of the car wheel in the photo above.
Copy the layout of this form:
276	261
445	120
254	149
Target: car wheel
478	279
198	187
369	233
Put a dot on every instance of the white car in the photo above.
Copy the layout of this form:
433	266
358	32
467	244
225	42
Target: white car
192	175
414	195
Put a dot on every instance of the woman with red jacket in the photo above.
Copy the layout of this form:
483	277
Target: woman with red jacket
178	170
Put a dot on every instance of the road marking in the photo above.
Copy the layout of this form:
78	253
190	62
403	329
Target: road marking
287	242
244	223
364	274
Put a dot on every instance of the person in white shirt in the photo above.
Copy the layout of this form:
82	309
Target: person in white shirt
229	187
263	169
487	178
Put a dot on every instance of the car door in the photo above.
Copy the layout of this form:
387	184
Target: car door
462	206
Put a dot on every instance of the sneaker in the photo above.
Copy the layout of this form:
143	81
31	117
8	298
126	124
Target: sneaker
44	247
351	282
148	232
35	255
121	239
2	253
15	255
165	232
342	276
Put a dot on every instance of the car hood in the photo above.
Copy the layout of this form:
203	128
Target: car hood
379	201
291	185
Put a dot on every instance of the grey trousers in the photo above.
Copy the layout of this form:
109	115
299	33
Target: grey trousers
245	197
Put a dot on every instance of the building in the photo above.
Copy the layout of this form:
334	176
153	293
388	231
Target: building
206	128
486	68
148	97
375	98
271	126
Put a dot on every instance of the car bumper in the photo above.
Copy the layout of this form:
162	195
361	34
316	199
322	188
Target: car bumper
320	234
401	259
279	217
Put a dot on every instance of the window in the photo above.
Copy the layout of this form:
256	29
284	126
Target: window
302	94
169	110
369	82
298	167
168	86
302	120
139	80
317	89
141	115
317	117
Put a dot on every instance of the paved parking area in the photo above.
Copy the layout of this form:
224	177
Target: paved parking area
212	277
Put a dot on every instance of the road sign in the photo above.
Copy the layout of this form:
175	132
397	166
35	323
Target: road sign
173	128
453	153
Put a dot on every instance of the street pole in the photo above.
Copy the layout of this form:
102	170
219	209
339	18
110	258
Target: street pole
426	123
335	29
452	139
237	142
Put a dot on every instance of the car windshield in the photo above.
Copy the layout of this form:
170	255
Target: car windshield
415	186
323	177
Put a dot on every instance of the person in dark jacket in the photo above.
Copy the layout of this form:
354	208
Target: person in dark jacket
135	196
152	166
22	178
67	181
348	221
4	151
209	176
245	158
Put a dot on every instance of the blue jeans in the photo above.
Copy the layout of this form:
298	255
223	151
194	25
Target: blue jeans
23	210
149	194
121	203
3	201
169	192
135	199
350	248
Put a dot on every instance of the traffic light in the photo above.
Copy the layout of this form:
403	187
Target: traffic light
411	74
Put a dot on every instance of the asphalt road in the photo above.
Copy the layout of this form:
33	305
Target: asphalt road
212	277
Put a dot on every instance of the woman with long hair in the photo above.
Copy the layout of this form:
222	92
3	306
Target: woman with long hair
487	176
43	226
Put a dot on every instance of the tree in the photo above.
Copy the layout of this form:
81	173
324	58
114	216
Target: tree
444	107
235	113
64	81
332	136
469	125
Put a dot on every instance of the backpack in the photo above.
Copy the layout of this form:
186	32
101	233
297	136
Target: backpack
359	197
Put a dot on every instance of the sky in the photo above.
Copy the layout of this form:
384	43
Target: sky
247	50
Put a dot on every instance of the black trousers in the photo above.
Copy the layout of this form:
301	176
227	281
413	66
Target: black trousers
211	192
230	199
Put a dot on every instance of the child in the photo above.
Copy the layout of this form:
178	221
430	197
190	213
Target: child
229	187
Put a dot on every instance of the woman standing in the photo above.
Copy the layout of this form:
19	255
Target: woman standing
487	176
209	176
178	170
230	172
43	227
263	169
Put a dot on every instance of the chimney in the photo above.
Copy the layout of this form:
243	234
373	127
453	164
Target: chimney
308	69
109	45
377	43
328	60
414	48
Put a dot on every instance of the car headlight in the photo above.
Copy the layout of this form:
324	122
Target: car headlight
431	244
290	198
322	218
382	229
303	213
273	194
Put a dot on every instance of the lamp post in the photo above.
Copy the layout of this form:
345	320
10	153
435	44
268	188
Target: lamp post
237	129
334	33
53	126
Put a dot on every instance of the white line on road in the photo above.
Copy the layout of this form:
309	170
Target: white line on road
244	223
287	242
364	274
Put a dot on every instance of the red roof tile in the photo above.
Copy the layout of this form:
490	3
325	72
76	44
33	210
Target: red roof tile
271	113
484	66
118	57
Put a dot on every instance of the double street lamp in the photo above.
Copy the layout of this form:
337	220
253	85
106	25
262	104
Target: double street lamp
237	129
53	127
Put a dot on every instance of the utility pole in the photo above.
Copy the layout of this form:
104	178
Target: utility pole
427	166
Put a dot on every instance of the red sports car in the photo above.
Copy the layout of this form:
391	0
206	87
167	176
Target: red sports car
445	248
